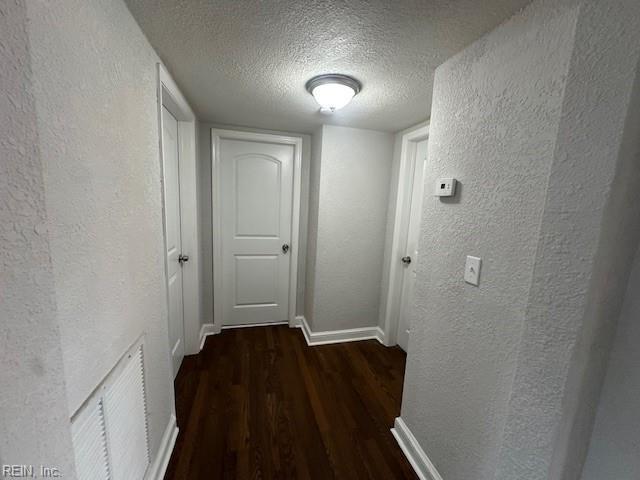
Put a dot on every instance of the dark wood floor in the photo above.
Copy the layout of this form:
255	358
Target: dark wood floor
259	403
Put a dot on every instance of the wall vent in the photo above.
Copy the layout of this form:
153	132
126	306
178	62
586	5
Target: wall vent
110	437
90	443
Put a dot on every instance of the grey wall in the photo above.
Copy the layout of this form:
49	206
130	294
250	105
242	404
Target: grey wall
352	182
614	451
494	122
95	83
205	214
312	230
589	233
33	397
501	379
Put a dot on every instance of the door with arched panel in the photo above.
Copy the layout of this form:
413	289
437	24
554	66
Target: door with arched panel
256	198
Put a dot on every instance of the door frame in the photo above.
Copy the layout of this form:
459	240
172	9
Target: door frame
170	97
217	135
402	217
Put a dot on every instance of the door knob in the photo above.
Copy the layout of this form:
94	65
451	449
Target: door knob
285	248
183	258
406	260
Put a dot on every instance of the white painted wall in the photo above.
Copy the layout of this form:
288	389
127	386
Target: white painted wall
97	117
352	199
614	451
501	378
312	230
33	397
589	233
493	127
204	192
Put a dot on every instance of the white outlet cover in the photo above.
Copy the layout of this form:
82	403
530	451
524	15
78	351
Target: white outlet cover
472	270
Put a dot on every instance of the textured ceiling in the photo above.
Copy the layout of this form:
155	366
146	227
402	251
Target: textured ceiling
246	62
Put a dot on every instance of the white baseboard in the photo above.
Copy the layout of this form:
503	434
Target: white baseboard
158	468
423	467
206	330
339	336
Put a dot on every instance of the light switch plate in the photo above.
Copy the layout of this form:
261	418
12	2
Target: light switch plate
472	270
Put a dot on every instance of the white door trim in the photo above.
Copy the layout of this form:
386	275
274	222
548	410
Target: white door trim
400	231
172	99
216	136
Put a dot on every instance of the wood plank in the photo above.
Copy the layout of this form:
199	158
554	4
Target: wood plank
259	403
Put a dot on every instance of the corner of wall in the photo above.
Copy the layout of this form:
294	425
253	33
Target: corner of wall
349	202
312	224
612	449
34	412
100	143
496	110
581	271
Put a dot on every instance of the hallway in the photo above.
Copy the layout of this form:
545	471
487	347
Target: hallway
260	403
443	195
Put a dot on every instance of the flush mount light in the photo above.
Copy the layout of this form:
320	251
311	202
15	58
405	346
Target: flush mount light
333	91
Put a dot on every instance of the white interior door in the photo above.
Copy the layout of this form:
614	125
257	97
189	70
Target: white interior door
413	235
256	209
173	233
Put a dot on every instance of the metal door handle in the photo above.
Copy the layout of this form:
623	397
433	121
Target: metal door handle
406	260
285	248
183	258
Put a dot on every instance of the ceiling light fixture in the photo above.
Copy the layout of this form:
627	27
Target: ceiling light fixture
333	91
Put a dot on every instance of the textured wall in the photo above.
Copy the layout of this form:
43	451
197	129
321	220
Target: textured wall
204	191
95	90
34	417
589	233
312	230
503	380
615	444
355	167
494	123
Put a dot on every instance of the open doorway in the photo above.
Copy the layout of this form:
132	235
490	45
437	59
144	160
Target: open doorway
406	232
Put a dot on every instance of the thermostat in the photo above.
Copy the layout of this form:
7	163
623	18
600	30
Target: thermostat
445	187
